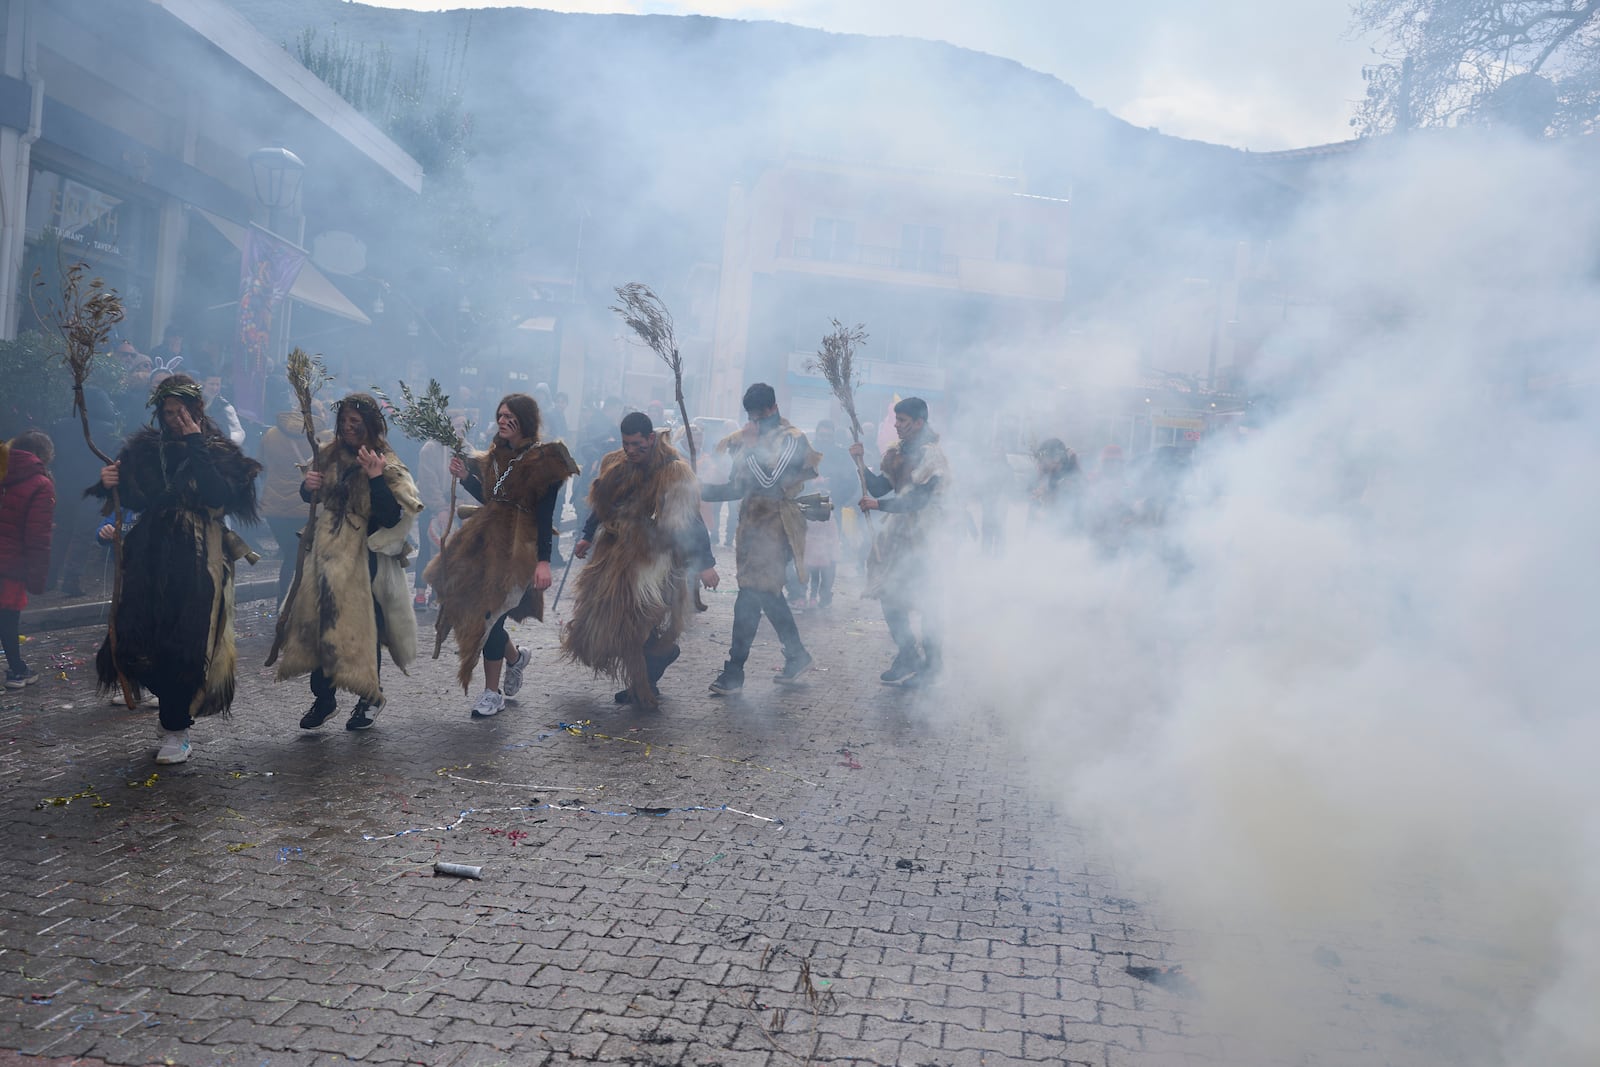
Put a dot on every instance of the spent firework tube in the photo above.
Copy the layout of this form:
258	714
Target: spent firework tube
457	870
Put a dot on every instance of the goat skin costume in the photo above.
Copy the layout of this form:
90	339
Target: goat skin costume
486	568
332	624
899	561
174	622
634	594
772	528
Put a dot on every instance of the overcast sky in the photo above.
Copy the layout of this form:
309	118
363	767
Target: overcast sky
1252	73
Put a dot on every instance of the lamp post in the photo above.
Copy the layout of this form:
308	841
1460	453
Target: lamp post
277	173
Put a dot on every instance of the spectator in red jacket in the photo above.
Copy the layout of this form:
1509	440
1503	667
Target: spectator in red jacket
27	514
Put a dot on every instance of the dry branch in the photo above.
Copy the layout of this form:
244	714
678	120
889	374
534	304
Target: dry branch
84	317
836	361
307	375
427	418
648	317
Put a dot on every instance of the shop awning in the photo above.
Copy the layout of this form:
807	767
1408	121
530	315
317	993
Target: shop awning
311	287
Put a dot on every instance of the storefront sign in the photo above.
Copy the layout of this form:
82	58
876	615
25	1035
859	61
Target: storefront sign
61	208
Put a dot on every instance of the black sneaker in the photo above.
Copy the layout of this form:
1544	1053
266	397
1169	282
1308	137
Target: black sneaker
362	718
905	665
319	714
794	667
623	696
928	675
730	681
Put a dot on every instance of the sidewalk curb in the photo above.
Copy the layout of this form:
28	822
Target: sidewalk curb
95	612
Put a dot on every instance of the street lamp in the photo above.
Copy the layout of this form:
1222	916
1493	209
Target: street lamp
277	173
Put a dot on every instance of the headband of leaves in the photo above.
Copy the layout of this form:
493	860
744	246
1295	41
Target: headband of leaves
365	404
172	387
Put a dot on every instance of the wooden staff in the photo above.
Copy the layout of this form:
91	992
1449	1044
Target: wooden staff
306	375
84	321
427	418
643	310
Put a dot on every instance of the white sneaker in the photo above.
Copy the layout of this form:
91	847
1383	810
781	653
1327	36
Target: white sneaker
511	680
489	704
175	747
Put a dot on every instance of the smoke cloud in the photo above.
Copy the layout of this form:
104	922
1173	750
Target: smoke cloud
1336	716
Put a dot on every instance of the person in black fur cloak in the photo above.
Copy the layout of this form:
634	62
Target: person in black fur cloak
174	623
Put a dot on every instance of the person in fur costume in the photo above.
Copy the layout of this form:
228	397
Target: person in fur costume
771	461
174	624
647	536
351	600
917	475
497	566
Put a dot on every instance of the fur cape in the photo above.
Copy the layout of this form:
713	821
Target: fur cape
634	592
175	618
772	529
899	562
486	569
332	623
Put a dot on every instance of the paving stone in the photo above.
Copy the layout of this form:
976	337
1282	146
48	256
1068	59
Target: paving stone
274	898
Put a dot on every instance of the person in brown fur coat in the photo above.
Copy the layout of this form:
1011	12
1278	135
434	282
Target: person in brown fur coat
497	566
352	600
647	536
771	461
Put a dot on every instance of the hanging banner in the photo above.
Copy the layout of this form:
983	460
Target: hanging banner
267	270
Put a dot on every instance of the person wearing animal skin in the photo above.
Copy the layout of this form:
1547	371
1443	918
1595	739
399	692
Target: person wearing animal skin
351	599
647	537
909	490
497	566
771	461
174	622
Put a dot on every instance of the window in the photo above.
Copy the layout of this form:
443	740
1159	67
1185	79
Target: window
921	248
834	239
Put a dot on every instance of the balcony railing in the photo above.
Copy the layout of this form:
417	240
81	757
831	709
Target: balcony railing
879	256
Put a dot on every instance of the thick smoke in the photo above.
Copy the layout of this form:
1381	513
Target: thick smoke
1336	717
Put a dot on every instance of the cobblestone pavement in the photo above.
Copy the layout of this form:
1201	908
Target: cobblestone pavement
835	873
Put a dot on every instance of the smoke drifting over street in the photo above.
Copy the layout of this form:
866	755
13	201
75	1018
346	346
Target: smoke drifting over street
1326	697
1343	701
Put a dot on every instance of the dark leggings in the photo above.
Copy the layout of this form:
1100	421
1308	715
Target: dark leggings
175	711
494	646
10	627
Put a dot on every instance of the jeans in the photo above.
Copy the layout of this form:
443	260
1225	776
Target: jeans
747	610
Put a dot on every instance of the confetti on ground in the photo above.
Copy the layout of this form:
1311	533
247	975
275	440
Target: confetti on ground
581	729
61	802
572	806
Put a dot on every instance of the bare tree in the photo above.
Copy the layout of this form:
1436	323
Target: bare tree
1533	64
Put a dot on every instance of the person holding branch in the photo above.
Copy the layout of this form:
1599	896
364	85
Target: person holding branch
648	540
497	566
350	599
914	478
174	620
